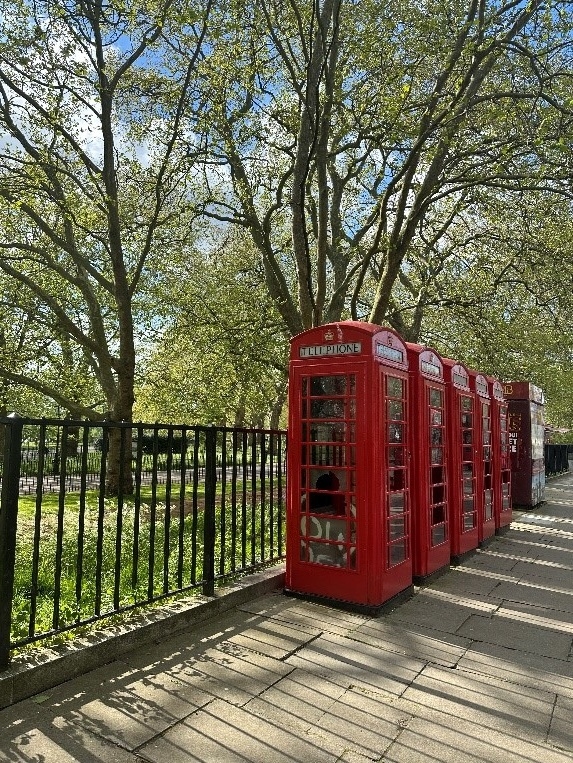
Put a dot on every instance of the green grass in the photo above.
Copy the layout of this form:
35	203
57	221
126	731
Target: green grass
144	536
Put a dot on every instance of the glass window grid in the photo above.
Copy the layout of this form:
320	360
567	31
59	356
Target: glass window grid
328	536
398	519
438	499
468	508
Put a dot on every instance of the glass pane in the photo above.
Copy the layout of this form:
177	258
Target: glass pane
436	435
396	456
305	386
396	501
468	503
469	521
395	433
396	479
438	515
468	453
467	420
468	486
328	385
395	387
438	494
437	455
436	398
326	553
466	403
436	417
438	535
327	409
395	410
437	475
397	553
467	470
397	527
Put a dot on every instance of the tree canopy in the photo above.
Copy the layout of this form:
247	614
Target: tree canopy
205	180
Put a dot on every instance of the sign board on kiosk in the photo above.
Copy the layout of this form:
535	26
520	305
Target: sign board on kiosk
428	447
462	464
348	502
484	459
526	442
500	457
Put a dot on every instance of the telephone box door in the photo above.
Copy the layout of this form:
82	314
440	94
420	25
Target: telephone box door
430	513
500	456
462	459
485	485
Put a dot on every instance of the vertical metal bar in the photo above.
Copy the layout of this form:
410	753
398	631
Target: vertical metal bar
235	447
137	512
119	520
244	501
195	488
82	520
281	460
253	496
37	531
272	436
153	517
209	523
167	517
8	524
60	530
100	520
263	509
223	501
181	537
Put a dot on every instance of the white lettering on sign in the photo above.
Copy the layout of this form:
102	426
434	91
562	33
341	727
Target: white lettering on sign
430	368
461	381
390	353
321	350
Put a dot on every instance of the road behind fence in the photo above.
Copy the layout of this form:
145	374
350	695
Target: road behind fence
193	507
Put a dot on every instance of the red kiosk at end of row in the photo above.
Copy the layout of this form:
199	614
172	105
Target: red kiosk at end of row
349	521
428	448
527	442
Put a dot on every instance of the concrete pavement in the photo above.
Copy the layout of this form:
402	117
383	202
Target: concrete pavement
477	666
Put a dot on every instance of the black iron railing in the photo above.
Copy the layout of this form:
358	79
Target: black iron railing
98	519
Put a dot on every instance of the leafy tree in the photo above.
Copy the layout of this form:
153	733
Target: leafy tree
92	182
340	154
221	356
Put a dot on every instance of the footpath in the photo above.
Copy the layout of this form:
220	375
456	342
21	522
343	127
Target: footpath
476	666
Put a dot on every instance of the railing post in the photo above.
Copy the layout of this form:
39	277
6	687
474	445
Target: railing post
209	526
8	523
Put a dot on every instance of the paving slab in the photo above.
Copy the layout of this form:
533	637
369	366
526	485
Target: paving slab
420	642
361	722
555	576
520	667
220	733
514	633
484	700
352	663
561	730
464	580
444	738
527	592
439	613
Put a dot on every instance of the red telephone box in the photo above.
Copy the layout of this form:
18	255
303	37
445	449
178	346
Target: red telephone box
500	457
430	521
461	426
483	446
348	503
527	442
